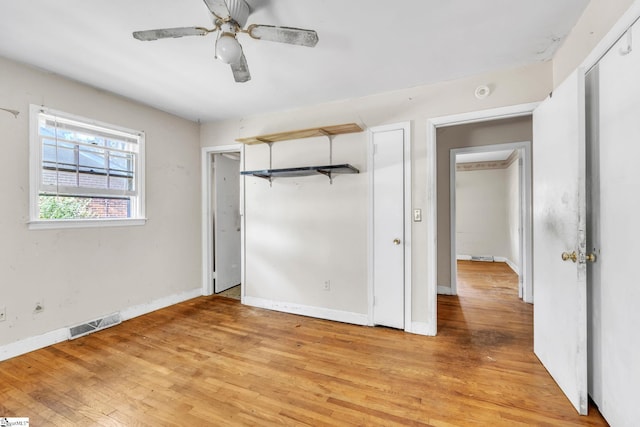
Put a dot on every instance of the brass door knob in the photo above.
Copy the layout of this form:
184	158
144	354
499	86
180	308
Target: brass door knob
573	256
396	241
591	257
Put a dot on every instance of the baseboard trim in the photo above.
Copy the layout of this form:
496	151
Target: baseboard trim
30	344
310	311
422	328
510	263
445	290
139	310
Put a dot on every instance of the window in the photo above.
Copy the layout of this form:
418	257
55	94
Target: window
84	173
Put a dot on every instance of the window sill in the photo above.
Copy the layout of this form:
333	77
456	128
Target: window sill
84	223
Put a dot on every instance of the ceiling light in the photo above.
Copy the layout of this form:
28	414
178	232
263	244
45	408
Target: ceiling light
228	50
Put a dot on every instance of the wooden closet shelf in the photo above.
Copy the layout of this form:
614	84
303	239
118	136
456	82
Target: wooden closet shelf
303	133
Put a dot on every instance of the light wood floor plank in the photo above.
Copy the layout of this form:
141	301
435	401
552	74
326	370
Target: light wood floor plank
212	361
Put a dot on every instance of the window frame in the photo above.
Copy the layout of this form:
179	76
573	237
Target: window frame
138	207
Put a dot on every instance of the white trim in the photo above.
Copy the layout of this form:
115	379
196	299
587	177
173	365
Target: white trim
482	115
310	311
168	301
407	222
37	342
408	227
524	212
431	223
370	253
35	162
445	290
419	328
33	343
84	223
97	125
207	216
137	198
453	267
507	261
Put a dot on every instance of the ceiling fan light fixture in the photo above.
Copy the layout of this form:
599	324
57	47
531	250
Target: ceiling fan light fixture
228	49
229	18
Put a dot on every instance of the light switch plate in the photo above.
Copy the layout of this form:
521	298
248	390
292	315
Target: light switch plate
417	215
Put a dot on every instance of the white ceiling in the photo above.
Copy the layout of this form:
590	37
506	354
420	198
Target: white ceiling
365	47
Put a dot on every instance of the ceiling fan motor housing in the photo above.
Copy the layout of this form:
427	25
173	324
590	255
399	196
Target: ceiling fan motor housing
239	11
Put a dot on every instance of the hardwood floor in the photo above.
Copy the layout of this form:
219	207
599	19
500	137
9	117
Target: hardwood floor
212	361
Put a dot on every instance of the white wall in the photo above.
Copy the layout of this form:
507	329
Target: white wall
310	230
301	232
81	274
482	213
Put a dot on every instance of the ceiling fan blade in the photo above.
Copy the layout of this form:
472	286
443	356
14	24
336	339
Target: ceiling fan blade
165	33
283	35
219	9
241	70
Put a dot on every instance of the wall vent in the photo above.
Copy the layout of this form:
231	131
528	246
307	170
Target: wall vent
485	258
93	326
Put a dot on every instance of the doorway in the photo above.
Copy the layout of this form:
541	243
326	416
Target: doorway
223	230
490	209
225	205
435	166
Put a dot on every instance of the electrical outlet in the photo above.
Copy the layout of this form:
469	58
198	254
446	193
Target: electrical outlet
3	314
39	308
327	285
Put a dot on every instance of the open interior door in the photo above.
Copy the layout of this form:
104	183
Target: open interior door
227	246
559	210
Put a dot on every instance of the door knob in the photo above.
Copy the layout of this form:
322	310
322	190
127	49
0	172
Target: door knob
573	256
396	241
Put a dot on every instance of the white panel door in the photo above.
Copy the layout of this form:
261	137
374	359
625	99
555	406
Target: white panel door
617	292
559	208
226	219
388	228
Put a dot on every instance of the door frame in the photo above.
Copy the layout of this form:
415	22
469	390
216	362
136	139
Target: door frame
431	327
207	216
406	238
525	246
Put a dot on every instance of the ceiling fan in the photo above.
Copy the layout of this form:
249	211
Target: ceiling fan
229	19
